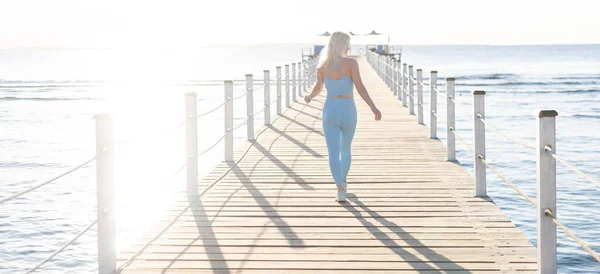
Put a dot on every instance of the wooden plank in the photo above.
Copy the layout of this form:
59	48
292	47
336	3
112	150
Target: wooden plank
331	265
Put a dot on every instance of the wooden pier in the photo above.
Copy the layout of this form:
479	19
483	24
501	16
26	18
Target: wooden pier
409	210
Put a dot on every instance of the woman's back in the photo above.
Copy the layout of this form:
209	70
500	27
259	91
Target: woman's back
337	78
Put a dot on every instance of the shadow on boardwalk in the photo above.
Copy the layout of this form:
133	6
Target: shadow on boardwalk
433	258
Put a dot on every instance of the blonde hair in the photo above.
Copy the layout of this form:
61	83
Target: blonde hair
333	52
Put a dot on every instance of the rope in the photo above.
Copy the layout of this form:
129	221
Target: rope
242	95
548	213
507	181
462	140
126	263
503	135
274	101
63	247
243	123
213	110
452	99
590	179
422	84
434	114
47	182
260	111
259	87
436	90
215	144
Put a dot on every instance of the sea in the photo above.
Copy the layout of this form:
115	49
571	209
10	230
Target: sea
49	97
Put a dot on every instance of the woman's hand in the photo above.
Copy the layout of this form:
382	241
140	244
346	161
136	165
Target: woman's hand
307	99
377	113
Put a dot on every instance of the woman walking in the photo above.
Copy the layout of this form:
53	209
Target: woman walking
339	73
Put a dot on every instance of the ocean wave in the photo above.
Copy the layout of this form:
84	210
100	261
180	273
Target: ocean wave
51	81
11	98
585	116
574	91
537	83
48	86
493	76
591	77
28	165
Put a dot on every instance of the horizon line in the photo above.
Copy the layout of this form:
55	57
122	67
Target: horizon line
291	43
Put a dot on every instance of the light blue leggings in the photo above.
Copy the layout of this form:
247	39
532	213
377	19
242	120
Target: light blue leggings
339	124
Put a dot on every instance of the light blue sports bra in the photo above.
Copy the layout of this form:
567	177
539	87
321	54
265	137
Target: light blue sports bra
338	86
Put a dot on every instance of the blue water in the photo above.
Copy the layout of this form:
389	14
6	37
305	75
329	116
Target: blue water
48	99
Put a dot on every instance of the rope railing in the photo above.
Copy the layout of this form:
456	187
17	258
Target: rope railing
571	167
507	181
241	95
243	123
461	139
260	87
47	182
437	90
548	213
214	109
213	145
452	99
261	111
62	248
502	134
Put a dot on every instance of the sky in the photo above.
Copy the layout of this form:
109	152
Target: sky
179	23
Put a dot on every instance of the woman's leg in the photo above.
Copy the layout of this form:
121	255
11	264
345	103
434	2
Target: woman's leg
332	137
346	148
348	128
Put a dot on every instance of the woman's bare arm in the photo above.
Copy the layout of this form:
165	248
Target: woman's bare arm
362	91
317	88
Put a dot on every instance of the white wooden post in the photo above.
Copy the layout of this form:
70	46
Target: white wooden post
546	191
404	84
398	74
250	106
287	86
294	84
411	87
228	118
479	142
380	61
380	65
401	71
305	74
394	76
433	105
420	96
278	90
299	84
267	83
191	142
451	146
107	252
315	69
383	77
389	71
